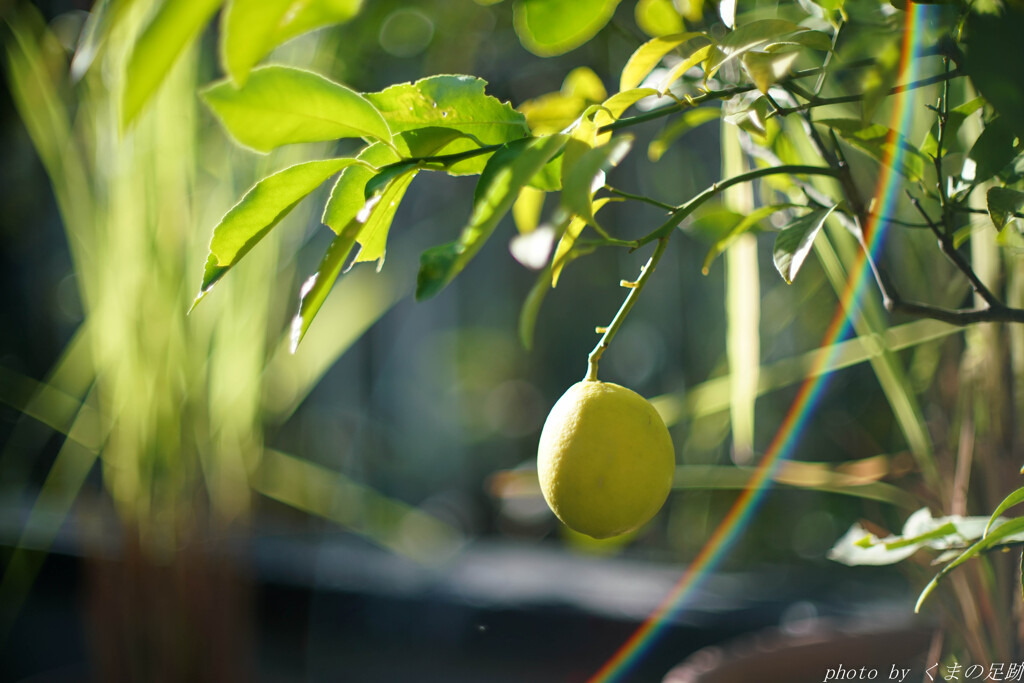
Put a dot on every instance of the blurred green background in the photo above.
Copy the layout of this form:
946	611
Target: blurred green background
184	500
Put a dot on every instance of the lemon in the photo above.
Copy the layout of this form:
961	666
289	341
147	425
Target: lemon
605	460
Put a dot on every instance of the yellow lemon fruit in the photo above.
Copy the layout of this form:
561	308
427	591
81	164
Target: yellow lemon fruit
605	460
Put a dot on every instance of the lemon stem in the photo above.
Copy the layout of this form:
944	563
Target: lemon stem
634	292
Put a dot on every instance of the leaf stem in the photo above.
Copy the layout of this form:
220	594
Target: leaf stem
634	292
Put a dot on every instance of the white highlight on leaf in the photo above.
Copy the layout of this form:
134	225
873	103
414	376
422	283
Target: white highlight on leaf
364	213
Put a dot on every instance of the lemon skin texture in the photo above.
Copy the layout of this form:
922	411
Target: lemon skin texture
605	460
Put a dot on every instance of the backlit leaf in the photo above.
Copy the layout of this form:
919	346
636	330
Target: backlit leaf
280	105
171	30
647	56
252	28
455	102
658	17
316	288
553	27
794	242
882	143
507	172
995	149
587	175
262	207
763	35
1003	203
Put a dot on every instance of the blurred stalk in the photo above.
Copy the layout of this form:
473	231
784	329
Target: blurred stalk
742	304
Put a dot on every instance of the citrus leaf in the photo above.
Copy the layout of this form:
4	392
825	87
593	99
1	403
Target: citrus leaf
315	289
171	30
745	224
587	175
531	307
881	143
647	56
1003	203
247	28
684	124
306	15
992	45
259	210
954	120
250	29
794	242
564	251
766	68
658	17
371	197
1015	498
1005	531
280	105
508	171
553	27
696	57
762	35
455	102
921	531
995	148
377	215
348	196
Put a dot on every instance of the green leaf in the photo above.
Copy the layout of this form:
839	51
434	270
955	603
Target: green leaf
262	207
993	52
348	196
588	172
921	531
794	242
527	208
692	59
763	35
994	149
881	143
766	68
315	289
306	15
172	29
455	102
745	224
531	308
252	28
507	172
280	105
553	27
370	197
1003	203
682	125
954	120
1010	531
647	56
658	17
1015	498
564	252
881	75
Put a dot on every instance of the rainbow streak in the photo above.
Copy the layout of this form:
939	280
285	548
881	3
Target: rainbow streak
788	435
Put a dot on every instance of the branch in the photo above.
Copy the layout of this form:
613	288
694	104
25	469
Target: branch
949	249
684	210
815	101
639	198
616	323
